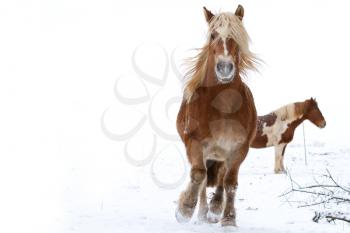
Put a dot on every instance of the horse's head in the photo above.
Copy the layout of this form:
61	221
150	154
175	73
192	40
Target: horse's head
313	113
225	55
228	51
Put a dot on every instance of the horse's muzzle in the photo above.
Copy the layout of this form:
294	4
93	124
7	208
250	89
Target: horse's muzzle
322	124
224	70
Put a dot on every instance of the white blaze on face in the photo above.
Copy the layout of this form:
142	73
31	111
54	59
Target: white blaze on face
225	46
223	33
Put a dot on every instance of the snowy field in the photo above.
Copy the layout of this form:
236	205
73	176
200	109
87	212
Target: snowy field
89	92
137	204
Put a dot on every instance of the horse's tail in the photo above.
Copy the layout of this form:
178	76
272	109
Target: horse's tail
213	168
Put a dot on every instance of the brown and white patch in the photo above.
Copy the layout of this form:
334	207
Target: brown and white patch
284	116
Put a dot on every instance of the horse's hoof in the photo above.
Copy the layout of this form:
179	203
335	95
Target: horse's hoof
278	171
202	218
213	217
228	222
180	217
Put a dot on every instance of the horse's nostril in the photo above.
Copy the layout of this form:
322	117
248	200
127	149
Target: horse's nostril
225	68
230	67
219	66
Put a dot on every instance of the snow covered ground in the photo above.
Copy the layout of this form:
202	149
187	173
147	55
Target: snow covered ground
75	73
135	203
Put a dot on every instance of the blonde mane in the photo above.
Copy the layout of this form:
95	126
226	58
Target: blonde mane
228	25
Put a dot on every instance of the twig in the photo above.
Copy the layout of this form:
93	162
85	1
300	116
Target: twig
323	194
316	203
333	218
341	187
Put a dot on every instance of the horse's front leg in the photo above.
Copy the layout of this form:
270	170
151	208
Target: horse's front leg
203	204
215	207
188	198
230	185
279	156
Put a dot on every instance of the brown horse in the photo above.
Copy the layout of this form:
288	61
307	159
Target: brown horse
217	118
277	128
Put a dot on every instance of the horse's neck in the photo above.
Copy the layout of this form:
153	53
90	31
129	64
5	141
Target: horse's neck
291	113
291	116
300	110
209	81
211	84
217	96
298	121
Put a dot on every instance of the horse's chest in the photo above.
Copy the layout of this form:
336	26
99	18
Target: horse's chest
226	101
275	132
226	136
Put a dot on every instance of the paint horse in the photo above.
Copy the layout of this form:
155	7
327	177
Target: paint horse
277	128
217	118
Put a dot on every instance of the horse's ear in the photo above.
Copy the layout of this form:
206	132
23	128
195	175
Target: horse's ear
240	12
208	15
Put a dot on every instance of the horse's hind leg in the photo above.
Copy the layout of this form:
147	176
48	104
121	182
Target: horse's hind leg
188	198
203	204
215	206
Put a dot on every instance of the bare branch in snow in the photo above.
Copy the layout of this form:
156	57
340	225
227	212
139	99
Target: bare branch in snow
328	194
